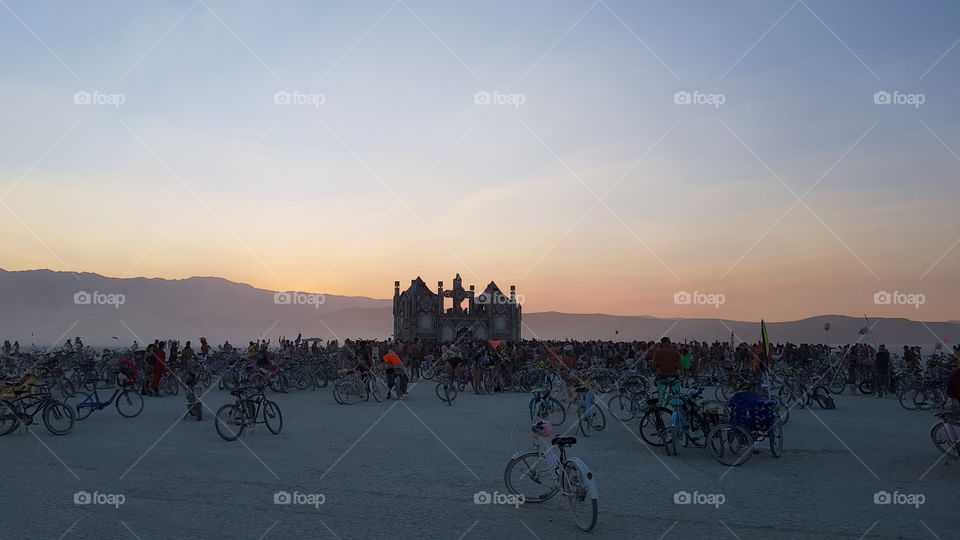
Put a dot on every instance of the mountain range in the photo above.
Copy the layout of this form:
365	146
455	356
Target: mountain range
43	307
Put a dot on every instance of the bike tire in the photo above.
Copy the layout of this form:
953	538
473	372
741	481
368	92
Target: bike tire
775	436
730	445
582	506
653	432
56	411
620	407
8	417
129	404
272	416
533	467
940	439
229	422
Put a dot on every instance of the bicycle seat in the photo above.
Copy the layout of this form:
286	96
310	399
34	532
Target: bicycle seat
652	401
563	442
581	389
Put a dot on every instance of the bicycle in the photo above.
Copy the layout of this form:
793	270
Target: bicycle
753	418
687	424
250	408
655	426
128	403
589	415
941	437
57	417
356	384
544	406
540	475
446	390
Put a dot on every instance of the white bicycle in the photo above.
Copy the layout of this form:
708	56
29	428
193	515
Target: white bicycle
539	475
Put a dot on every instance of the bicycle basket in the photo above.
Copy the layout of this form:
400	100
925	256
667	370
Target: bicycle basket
753	412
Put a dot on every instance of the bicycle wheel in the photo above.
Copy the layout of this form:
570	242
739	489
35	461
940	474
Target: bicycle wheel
531	476
838	384
582	506
58	418
230	421
775	435
129	404
336	394
905	397
730	445
921	400
940	439
272	417
594	420
170	385
447	392
8	417
258	380
299	380
866	387
349	393
652	431
697	431
377	392
620	408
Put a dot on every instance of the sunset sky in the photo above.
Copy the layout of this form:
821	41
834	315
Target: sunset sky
788	190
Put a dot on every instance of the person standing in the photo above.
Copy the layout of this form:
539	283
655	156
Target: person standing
159	367
882	369
666	365
395	370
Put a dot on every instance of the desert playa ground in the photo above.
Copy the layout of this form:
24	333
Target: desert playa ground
411	469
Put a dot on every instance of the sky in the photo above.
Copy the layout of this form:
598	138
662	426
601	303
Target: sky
674	159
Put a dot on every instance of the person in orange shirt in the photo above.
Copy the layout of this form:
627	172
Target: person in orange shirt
395	370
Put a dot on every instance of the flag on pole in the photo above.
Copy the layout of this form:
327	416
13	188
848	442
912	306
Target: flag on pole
765	347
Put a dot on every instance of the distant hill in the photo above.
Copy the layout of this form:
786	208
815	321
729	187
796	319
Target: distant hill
38	307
